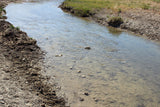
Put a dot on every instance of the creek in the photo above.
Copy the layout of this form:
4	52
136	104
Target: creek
120	69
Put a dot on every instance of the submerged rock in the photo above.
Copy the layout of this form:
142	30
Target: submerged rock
78	71
83	76
87	48
60	55
87	94
81	99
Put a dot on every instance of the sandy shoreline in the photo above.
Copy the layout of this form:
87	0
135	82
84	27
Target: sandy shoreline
22	81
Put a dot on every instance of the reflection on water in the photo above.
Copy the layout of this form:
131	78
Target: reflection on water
114	31
118	71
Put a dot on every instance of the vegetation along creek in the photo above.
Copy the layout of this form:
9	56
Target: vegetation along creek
94	66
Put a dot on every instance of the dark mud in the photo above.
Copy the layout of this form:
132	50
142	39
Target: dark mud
145	23
22	69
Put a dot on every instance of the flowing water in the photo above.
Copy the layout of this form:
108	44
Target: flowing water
120	69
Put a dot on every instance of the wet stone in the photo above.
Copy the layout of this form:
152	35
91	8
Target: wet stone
141	105
96	100
122	103
113	101
29	104
87	48
87	94
5	78
71	68
83	76
1	97
81	99
60	55
78	71
123	62
43	105
2	102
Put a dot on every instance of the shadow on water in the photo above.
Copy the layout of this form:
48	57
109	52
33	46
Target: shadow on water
119	70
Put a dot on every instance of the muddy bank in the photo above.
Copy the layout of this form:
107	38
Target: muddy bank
22	82
143	22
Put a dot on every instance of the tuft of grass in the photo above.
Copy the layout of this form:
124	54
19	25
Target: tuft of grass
145	6
84	12
18	28
2	11
13	27
158	1
115	21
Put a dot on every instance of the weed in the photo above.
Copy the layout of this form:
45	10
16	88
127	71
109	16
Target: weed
115	21
158	1
13	27
145	6
108	16
17	28
119	10
2	11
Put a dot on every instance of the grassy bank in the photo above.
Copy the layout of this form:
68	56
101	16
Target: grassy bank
89	6
138	16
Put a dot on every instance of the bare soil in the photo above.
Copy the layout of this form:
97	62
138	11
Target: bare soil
22	83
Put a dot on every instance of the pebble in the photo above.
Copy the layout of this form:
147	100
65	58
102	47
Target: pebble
5	78
71	68
86	94
58	87
81	99
60	55
96	100
1	97
43	105
123	62
29	104
2	102
23	59
78	71
83	76
112	101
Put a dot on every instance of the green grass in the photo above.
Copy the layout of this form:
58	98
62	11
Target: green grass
2	11
116	5
158	1
145	6
13	27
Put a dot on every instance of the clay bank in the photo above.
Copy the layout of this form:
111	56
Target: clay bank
94	66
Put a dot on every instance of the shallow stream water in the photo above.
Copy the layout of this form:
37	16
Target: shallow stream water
120	69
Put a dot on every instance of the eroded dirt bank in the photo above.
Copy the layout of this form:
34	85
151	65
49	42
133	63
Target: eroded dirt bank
143	22
21	81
